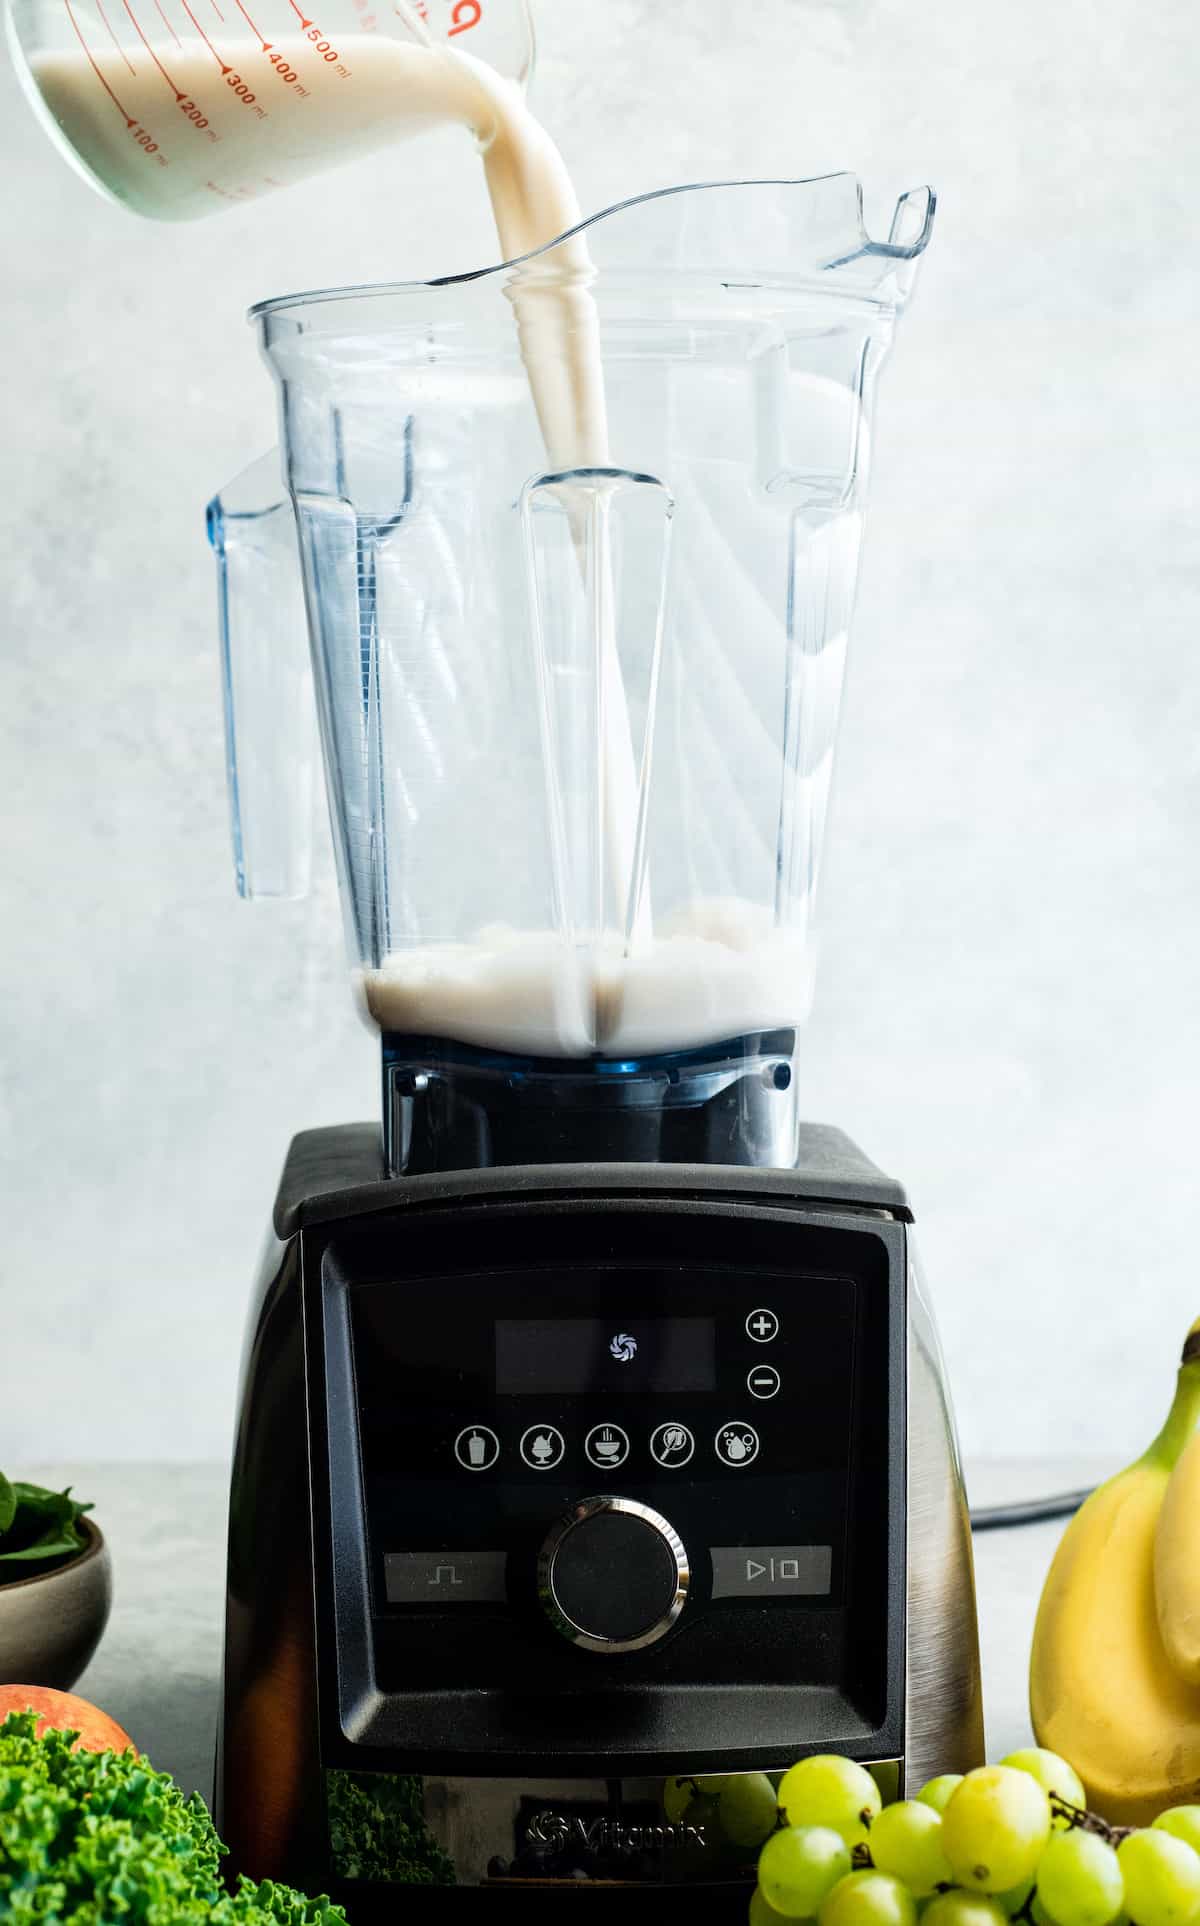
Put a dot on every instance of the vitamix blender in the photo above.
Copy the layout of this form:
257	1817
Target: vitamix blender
594	1445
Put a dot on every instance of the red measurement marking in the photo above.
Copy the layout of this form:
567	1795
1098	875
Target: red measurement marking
295	9
167	24
266	44
129	120
216	9
179	95
466	14
116	43
223	65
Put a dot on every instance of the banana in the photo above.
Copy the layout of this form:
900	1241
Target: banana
1177	1552
1102	1690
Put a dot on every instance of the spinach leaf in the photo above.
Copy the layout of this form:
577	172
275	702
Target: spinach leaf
36	1501
38	1526
55	1542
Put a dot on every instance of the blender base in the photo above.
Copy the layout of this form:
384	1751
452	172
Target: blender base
411	1341
449	1106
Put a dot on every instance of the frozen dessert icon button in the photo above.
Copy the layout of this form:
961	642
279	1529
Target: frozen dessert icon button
737	1444
606	1445
671	1444
542	1447
477	1447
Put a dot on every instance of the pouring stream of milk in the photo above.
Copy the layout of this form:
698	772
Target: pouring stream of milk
558	327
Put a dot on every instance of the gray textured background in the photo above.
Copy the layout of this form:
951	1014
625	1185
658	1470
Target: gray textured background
1007	1011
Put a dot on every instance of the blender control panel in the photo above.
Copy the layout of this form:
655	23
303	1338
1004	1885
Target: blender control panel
610	1453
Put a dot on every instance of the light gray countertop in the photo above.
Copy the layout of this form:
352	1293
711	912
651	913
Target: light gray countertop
158	1667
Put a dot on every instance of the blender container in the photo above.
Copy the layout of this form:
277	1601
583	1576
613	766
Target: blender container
180	108
577	722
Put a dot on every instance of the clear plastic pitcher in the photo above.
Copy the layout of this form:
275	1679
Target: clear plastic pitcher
179	108
577	725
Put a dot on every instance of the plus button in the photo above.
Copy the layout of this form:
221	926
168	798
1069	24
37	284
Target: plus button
762	1326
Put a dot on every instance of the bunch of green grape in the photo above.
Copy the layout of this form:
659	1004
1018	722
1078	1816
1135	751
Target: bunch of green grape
1006	1843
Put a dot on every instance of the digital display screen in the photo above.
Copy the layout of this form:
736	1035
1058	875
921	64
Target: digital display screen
580	1354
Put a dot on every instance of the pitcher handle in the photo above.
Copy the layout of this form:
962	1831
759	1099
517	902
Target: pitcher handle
266	676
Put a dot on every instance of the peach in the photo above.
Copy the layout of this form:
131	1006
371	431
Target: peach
97	1732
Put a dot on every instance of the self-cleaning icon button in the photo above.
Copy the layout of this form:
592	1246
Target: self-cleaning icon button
737	1444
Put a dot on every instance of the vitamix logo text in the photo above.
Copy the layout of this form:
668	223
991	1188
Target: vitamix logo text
559	1829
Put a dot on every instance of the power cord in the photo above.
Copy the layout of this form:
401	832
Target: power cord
1035	1511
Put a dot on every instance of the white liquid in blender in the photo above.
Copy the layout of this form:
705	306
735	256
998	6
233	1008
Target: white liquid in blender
712	969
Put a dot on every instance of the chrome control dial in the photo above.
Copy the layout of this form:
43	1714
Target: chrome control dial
613	1575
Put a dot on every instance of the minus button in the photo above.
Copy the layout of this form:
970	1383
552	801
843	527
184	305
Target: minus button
762	1381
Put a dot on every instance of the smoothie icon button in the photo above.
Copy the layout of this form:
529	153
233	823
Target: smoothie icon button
477	1448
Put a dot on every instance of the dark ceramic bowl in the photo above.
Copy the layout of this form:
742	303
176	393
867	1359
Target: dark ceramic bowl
50	1625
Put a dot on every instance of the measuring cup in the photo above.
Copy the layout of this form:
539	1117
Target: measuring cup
178	108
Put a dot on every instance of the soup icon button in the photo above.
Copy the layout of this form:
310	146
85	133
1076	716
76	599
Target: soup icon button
606	1445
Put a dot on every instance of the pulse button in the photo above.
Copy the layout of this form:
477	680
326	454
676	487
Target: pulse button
445	1578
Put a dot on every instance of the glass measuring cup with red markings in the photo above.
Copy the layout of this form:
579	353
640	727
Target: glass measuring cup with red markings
178	108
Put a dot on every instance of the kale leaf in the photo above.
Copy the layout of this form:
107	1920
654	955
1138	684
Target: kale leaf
377	1830
95	1837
